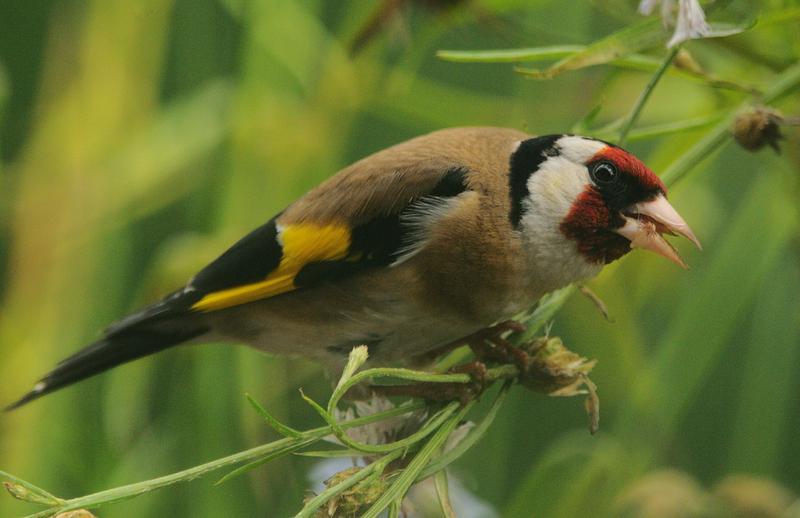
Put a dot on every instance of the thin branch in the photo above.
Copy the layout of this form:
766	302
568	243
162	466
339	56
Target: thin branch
645	95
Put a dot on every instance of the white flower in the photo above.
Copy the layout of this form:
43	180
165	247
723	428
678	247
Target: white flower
422	499
690	23
380	432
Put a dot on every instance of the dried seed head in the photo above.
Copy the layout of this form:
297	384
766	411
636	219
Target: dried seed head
663	494
758	127
746	495
355	500
685	61
554	369
81	513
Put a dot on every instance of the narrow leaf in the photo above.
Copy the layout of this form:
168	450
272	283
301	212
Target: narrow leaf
279	427
631	39
443	493
271	456
410	474
510	55
24	490
330	454
470	440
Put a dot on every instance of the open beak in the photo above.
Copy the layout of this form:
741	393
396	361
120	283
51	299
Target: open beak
646	222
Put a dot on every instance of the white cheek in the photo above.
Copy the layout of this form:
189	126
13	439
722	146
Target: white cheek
553	188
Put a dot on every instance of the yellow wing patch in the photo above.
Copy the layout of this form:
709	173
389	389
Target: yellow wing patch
301	244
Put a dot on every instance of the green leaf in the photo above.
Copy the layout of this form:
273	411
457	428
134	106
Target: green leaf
470	440
658	130
394	508
279	427
430	425
547	308
330	454
398	373
723	30
638	62
147	169
761	426
710	315
510	55
631	39
443	493
290	448
787	15
24	490
284	446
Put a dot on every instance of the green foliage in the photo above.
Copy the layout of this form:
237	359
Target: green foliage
138	139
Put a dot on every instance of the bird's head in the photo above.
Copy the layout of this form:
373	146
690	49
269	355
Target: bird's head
572	193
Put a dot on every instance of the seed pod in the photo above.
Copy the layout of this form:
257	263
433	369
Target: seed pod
758	127
80	513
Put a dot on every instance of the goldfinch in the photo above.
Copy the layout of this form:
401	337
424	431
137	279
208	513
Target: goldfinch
408	250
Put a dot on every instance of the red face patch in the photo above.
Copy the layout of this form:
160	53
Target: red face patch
629	164
587	224
597	211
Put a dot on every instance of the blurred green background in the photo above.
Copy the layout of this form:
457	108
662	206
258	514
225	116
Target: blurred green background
140	138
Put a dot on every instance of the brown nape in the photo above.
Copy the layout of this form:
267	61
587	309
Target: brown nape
588	223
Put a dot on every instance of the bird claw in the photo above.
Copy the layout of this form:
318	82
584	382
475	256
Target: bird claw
489	344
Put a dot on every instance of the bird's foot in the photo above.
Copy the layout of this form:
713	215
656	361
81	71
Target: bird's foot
490	345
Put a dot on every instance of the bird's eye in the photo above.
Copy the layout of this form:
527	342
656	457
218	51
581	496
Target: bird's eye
604	173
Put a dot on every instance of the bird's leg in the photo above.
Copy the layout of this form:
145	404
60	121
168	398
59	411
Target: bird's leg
489	345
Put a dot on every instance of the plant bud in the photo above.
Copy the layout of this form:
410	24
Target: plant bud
758	127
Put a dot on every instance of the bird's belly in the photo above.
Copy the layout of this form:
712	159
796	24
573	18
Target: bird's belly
326	323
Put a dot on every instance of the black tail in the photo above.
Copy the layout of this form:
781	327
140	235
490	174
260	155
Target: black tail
119	346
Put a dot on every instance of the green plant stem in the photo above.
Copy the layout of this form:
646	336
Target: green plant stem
118	494
637	62
296	444
410	473
609	131
645	95
276	425
786	82
469	441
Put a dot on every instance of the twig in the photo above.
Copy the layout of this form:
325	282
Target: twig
645	95
597	301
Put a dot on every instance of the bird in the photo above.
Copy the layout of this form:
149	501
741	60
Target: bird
406	251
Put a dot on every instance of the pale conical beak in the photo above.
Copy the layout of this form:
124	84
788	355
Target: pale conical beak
646	221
